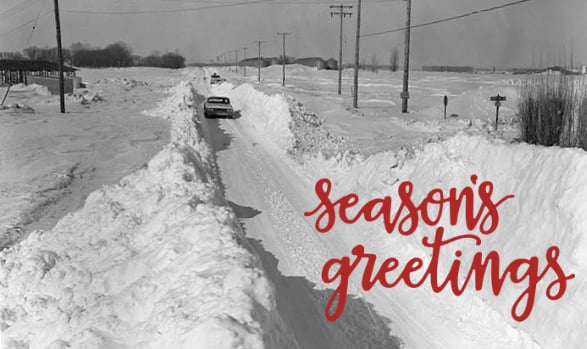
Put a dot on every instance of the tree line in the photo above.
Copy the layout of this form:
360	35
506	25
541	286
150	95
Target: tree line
118	54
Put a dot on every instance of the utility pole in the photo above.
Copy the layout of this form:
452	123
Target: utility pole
342	14
259	61
356	77
60	55
236	60
244	58
572	52
405	94
283	59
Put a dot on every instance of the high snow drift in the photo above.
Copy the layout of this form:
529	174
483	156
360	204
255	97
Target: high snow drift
160	261
156	261
547	210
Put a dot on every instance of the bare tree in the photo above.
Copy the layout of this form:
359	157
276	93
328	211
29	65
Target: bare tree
374	63
394	59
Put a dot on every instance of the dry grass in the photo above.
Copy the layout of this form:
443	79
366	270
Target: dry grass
553	111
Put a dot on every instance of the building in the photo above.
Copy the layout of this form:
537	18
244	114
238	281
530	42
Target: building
315	62
331	64
37	72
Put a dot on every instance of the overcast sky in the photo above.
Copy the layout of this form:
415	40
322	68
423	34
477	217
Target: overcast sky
521	35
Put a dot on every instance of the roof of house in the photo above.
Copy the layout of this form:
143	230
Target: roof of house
26	65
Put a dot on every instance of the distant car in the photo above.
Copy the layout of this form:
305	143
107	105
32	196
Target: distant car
216	79
218	107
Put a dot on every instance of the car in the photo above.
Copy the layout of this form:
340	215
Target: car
216	106
216	79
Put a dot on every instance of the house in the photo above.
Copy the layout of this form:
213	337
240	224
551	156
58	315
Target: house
37	72
318	62
254	62
331	64
315	62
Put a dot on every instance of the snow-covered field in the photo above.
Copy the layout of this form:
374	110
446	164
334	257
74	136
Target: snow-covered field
208	246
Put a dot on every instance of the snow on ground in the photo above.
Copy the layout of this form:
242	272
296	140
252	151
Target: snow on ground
50	162
160	261
379	123
155	261
548	208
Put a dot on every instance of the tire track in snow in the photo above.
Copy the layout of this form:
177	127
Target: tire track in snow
283	238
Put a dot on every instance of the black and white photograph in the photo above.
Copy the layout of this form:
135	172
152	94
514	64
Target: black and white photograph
293	174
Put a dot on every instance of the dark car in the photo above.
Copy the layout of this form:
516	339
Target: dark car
216	79
218	107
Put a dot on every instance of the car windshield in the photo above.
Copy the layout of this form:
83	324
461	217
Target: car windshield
222	100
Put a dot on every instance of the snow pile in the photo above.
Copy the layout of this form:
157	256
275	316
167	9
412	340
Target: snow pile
20	108
267	115
86	97
156	261
311	136
126	83
291	68
548	210
36	89
27	205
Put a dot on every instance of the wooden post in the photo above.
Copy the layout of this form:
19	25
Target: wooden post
405	94
5	95
497	99
283	59
245	66
60	54
356	76
259	62
236	61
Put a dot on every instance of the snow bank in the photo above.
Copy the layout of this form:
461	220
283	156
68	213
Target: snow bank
290	68
156	261
32	88
548	209
267	115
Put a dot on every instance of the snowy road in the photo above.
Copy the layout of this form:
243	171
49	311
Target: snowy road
268	198
269	193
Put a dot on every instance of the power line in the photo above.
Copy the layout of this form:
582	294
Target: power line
36	21
448	18
167	10
318	2
219	4
18	8
296	2
24	24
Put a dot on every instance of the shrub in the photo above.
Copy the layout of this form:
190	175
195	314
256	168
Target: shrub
553	111
167	60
